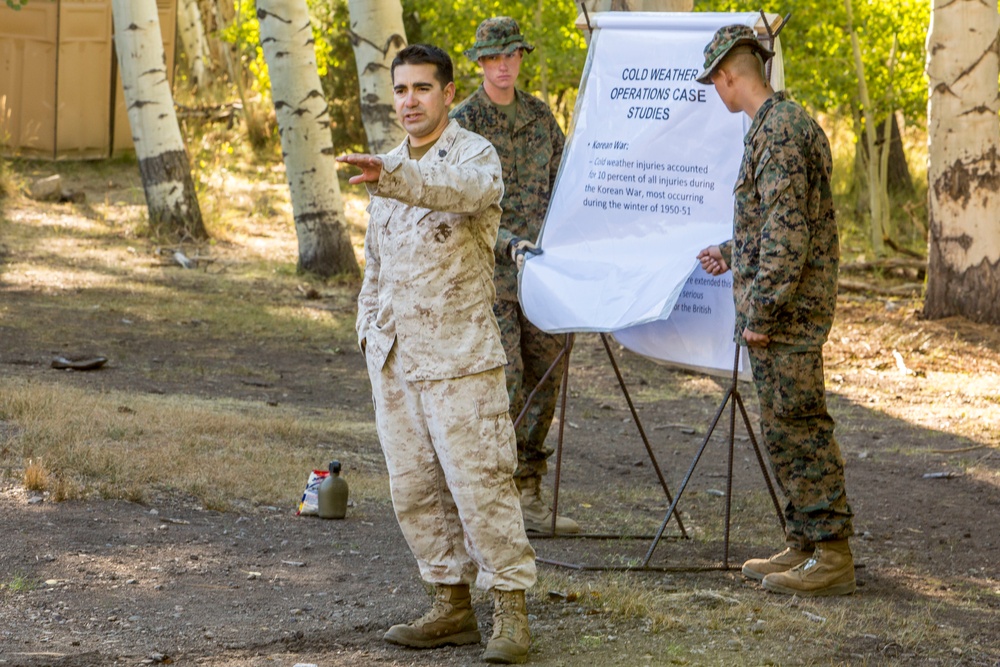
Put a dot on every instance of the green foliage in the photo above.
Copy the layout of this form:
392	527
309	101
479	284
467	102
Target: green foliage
244	33
819	65
820	72
553	68
16	4
549	26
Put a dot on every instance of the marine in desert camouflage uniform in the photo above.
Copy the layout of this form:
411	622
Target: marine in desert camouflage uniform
784	255
432	345
530	145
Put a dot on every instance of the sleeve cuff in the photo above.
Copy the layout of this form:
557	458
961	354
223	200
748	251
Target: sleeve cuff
726	248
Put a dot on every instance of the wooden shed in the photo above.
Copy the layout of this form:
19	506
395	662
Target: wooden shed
60	93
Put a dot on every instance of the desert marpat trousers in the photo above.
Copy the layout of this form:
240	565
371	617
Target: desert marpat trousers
450	452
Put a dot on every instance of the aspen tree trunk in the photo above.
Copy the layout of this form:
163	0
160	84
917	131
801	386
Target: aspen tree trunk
163	160
963	173
192	32
304	123
377	35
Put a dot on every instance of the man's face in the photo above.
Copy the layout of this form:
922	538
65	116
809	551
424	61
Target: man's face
421	103
501	71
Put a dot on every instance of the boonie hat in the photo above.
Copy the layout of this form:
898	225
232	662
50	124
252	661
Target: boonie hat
725	40
499	35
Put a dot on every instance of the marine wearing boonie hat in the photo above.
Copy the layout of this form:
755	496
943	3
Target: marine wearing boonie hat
725	40
497	36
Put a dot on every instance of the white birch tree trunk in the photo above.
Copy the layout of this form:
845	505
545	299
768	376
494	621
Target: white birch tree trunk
963	173
163	160
304	123
377	35
192	33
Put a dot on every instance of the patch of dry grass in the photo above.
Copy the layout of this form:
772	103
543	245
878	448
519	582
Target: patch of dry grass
735	623
223	452
93	260
36	477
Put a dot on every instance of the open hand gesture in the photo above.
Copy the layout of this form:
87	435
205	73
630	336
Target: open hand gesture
371	167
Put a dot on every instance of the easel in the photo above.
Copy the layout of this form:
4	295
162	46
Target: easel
565	354
731	393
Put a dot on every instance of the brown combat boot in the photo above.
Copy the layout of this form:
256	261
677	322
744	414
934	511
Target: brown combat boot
449	621
537	513
758	568
511	637
830	571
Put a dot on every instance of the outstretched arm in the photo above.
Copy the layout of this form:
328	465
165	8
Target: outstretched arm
470	183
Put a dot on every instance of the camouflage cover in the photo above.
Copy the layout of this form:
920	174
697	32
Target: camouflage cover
500	35
725	40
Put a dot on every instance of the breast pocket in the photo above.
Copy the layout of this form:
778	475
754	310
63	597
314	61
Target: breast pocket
540	153
440	229
771	180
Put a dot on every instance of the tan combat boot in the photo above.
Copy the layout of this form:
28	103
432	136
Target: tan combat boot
829	571
758	568
449	621
511	637
537	513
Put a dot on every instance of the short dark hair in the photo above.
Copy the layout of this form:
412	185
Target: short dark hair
425	54
746	61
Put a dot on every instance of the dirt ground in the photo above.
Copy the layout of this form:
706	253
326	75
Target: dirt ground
170	582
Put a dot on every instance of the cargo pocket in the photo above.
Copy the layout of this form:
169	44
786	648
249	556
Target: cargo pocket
496	437
799	390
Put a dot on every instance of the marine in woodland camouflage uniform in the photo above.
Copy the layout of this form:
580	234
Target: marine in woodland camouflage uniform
435	360
530	146
784	255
